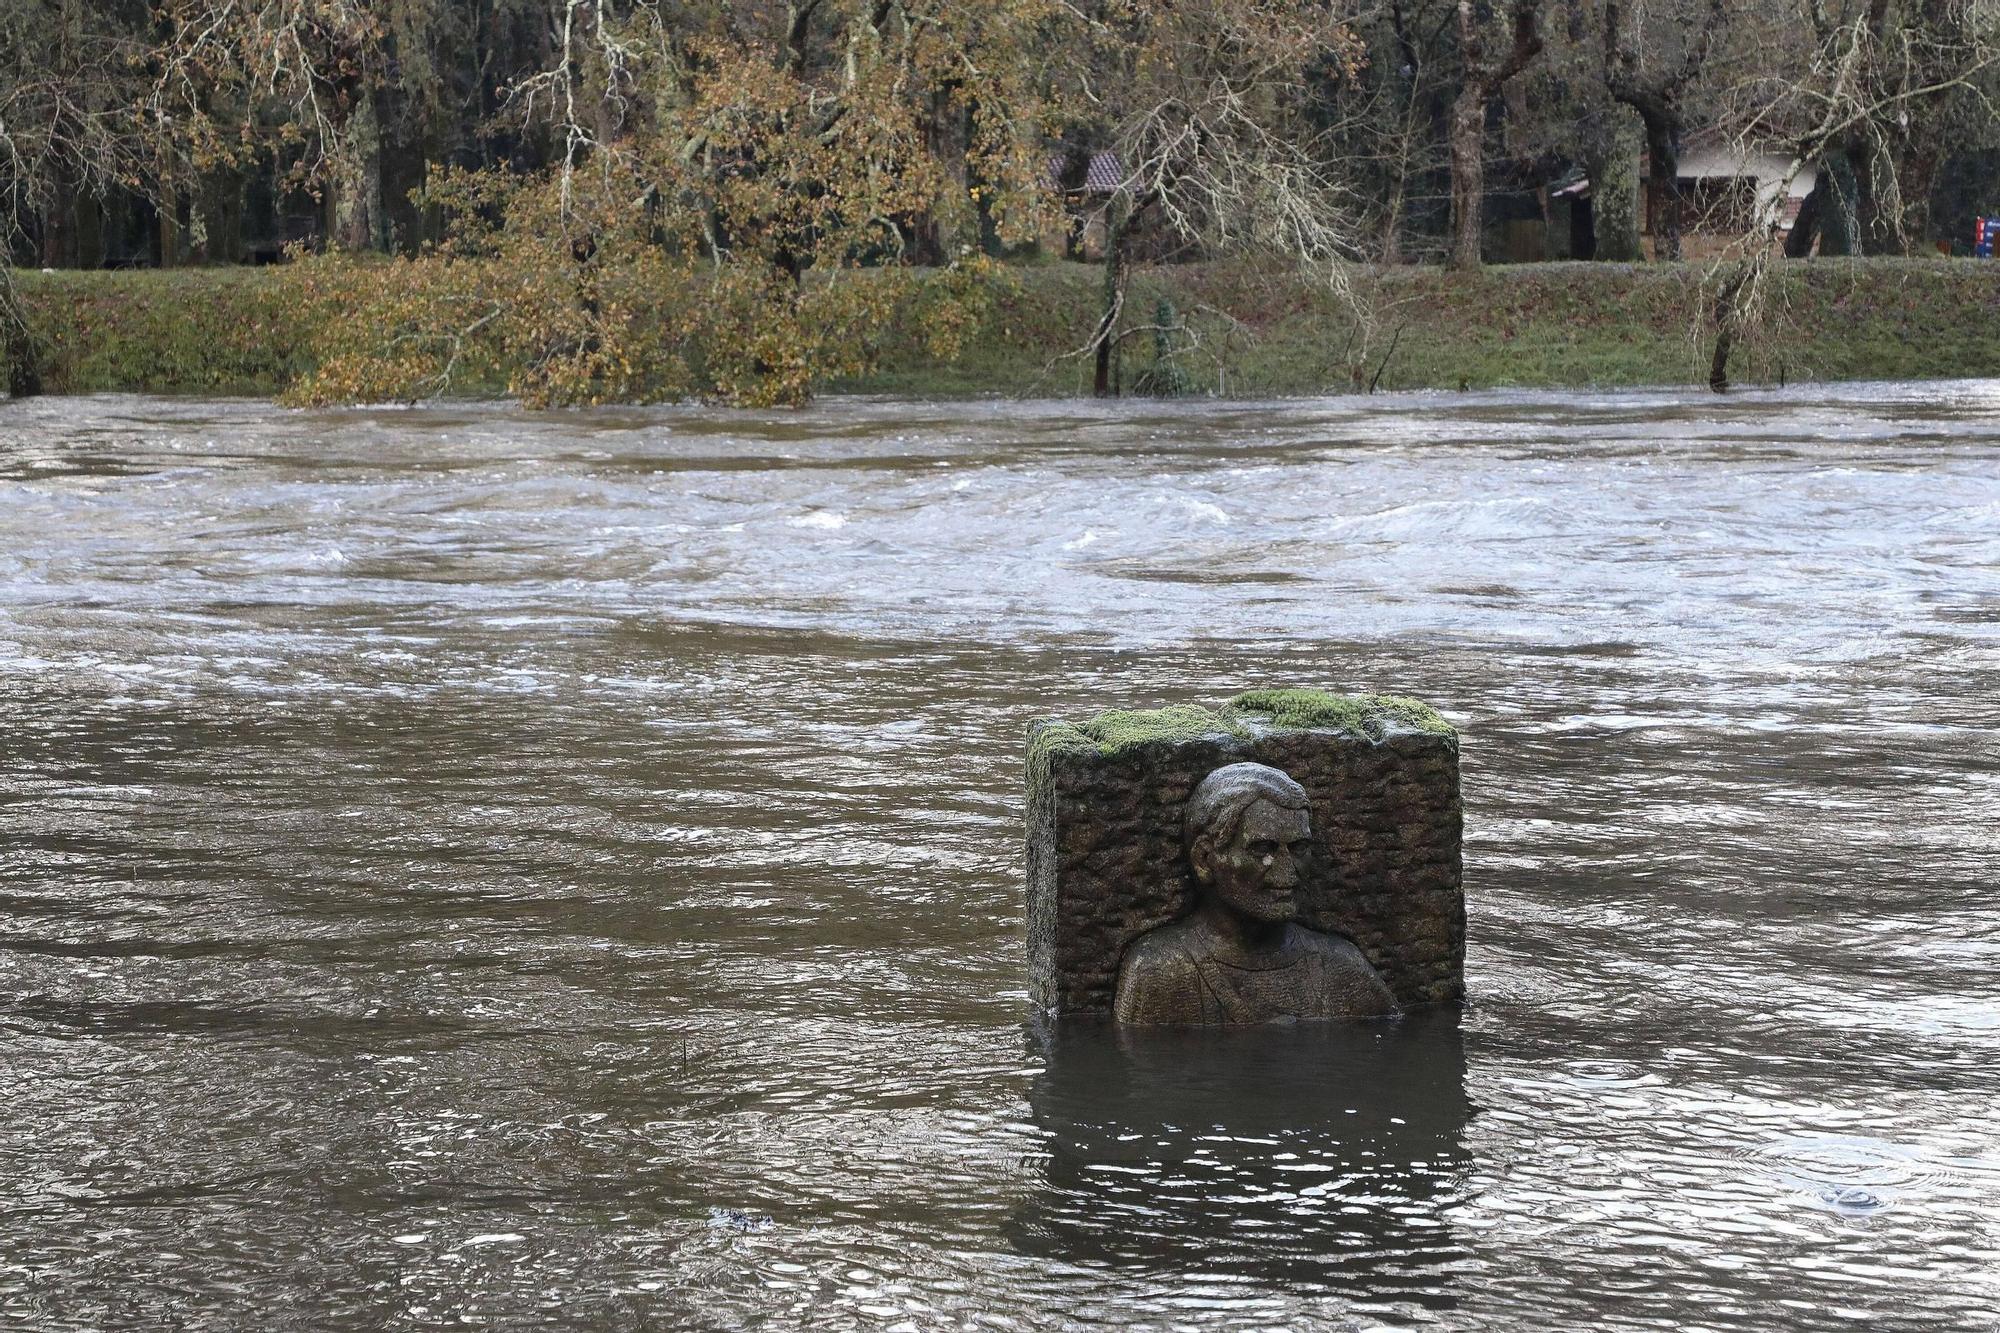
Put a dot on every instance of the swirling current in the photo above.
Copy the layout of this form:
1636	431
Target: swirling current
470	868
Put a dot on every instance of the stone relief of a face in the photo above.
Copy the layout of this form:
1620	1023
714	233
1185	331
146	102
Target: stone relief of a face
1257	873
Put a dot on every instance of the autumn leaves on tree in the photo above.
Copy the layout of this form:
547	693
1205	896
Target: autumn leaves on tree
614	199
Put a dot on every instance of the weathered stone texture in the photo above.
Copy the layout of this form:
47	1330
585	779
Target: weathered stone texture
1106	863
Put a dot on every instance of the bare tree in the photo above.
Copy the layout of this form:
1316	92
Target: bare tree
67	136
1875	77
1409	144
1868	97
1204	107
66	86
1563	114
1384	129
240	78
1649	66
1486	70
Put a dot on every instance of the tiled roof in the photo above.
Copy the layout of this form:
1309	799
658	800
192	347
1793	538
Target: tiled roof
1104	174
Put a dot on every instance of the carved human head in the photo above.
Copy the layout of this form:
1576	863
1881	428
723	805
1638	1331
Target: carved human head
1248	837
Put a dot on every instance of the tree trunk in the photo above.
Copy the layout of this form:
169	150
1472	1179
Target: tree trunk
1392	223
356	183
169	205
1663	173
1480	80
59	221
24	375
1468	176
17	342
226	202
1119	225
1812	212
1839	210
1614	189
1728	323
90	232
1873	233
1914	177
1396	206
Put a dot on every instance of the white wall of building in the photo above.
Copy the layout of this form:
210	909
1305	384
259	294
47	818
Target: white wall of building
1781	180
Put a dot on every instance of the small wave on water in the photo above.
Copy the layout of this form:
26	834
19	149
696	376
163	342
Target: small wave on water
1851	1175
1610	1074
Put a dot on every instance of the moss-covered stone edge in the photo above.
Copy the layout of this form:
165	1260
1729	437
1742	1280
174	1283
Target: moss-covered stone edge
1364	716
1354	714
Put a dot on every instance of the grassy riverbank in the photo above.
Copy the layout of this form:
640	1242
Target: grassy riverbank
241	331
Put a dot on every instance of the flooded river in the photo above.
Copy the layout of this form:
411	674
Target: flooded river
464	867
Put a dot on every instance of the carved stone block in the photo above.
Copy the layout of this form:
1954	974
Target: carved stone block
1106	861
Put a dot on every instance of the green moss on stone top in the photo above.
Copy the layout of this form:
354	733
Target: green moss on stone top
1356	714
1121	728
1111	733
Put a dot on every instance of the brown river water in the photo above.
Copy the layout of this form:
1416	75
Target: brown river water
462	867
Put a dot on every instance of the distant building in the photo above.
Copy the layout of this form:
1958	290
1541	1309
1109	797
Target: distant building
1102	174
1086	184
1726	192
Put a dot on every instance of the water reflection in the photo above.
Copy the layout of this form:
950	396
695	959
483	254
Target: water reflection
1318	1155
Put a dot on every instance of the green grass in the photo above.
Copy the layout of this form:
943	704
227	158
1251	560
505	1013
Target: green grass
1564	325
225	331
1570	325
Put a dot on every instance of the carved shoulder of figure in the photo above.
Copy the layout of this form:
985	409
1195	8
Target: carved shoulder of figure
1159	981
1350	969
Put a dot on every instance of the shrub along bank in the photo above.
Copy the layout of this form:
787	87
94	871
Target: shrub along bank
1210	329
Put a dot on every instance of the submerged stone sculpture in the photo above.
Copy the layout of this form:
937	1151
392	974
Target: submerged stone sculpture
1242	957
1120	920
1182	1150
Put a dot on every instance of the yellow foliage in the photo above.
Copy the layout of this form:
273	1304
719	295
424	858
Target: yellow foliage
746	240
589	305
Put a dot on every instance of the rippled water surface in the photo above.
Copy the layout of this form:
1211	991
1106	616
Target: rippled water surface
467	867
